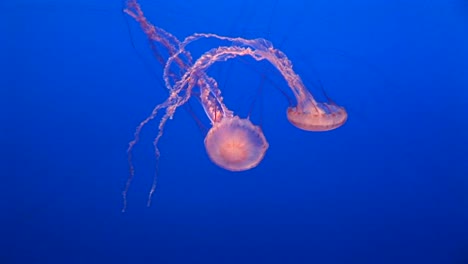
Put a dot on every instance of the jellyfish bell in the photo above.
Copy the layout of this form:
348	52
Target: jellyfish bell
235	144
315	116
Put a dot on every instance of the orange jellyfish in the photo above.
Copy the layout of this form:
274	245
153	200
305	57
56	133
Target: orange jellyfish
233	143
308	114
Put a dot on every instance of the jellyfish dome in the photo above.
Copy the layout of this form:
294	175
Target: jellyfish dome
236	144
317	116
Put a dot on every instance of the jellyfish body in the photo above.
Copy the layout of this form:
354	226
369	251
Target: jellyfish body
235	144
317	116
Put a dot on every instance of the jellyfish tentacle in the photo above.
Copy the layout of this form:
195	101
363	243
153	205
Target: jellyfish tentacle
131	145
157	154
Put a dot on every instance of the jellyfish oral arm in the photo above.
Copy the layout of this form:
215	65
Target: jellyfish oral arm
214	108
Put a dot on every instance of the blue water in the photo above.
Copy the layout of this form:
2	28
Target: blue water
390	186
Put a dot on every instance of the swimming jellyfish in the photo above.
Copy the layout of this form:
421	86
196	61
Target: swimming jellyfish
233	143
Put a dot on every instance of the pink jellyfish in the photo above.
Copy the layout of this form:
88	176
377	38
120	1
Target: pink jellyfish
233	143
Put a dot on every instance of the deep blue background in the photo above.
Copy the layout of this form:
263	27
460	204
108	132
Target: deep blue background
390	186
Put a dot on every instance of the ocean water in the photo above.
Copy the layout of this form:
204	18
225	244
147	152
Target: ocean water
389	186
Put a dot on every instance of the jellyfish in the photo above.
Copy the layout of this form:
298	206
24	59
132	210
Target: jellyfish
308	114
232	143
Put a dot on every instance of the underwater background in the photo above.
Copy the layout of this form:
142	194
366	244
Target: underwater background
390	186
